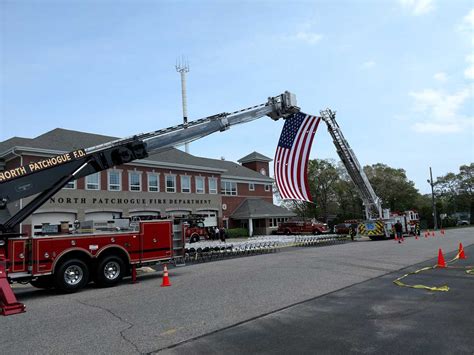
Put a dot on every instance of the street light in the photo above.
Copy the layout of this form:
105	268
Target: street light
435	219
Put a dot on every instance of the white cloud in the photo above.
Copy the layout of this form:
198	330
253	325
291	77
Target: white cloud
308	37
441	77
368	64
441	111
418	7
467	25
469	72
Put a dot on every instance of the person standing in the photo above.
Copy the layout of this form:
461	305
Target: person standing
216	233
399	231
223	234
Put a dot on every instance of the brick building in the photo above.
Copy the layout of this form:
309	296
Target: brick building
164	184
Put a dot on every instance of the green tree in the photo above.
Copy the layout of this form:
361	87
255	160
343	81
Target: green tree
392	186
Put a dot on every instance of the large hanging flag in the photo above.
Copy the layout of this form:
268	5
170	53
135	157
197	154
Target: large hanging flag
291	158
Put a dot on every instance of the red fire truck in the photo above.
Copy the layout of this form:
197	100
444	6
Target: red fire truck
69	261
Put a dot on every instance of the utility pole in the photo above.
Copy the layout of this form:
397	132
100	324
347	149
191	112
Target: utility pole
182	67
435	219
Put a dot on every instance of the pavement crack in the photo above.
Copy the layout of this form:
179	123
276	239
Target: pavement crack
122	335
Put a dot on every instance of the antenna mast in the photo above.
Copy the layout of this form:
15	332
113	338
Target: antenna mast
182	67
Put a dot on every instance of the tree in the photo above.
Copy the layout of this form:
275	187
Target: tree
392	186
456	191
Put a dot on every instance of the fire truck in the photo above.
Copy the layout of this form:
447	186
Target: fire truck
69	261
194	229
296	226
379	223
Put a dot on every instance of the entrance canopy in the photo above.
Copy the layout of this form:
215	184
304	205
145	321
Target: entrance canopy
258	208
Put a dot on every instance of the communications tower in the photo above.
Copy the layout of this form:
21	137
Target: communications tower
182	67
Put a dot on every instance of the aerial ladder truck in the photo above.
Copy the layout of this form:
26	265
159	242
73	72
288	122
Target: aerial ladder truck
378	222
69	261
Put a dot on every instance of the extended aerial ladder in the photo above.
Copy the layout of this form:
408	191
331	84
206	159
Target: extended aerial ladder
372	203
46	178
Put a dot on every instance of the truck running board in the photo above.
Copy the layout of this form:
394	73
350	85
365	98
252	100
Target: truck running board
8	303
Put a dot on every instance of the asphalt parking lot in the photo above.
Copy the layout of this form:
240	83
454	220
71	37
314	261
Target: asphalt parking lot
332	299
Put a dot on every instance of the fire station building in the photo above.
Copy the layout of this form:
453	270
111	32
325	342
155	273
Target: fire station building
165	184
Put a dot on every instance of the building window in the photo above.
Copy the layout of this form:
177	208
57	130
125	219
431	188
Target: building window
115	181
268	187
135	181
200	185
185	183
228	188
251	186
170	183
71	185
274	222
93	182
153	183
212	185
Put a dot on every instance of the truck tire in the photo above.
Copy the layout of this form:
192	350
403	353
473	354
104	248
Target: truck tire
43	282
194	238
288	232
110	271
71	275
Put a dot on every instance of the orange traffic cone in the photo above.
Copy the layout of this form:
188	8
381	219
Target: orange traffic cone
416	236
166	280
426	234
441	262
433	233
461	252
442	232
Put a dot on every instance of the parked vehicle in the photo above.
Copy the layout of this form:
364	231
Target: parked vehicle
463	222
194	229
302	227
67	261
344	228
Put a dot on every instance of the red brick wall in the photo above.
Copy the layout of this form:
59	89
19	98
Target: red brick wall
256	166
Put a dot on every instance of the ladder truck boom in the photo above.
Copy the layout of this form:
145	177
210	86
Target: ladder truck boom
372	203
49	176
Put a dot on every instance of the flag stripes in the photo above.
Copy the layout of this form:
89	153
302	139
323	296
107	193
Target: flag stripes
292	154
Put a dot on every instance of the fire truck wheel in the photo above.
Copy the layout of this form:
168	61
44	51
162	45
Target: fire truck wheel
43	282
71	275
194	238
110	271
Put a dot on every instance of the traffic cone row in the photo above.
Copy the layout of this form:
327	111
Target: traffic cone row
166	279
442	263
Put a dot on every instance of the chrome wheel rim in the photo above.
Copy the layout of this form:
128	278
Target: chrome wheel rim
73	275
111	270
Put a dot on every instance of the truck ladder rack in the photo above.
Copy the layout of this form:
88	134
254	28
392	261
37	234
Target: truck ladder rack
372	203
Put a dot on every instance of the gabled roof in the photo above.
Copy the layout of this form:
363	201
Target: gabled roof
254	156
258	208
65	140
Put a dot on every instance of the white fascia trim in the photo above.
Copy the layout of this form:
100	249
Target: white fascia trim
35	151
176	165
267	180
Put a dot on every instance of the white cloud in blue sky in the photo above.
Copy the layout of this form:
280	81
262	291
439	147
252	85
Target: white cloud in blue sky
418	7
399	73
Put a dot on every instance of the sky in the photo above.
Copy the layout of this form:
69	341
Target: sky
399	73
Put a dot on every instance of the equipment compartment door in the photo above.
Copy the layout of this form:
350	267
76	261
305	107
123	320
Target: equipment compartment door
156	240
18	254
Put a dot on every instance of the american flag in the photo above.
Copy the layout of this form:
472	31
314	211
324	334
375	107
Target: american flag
291	158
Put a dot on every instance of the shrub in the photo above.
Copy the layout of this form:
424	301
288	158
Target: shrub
237	233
